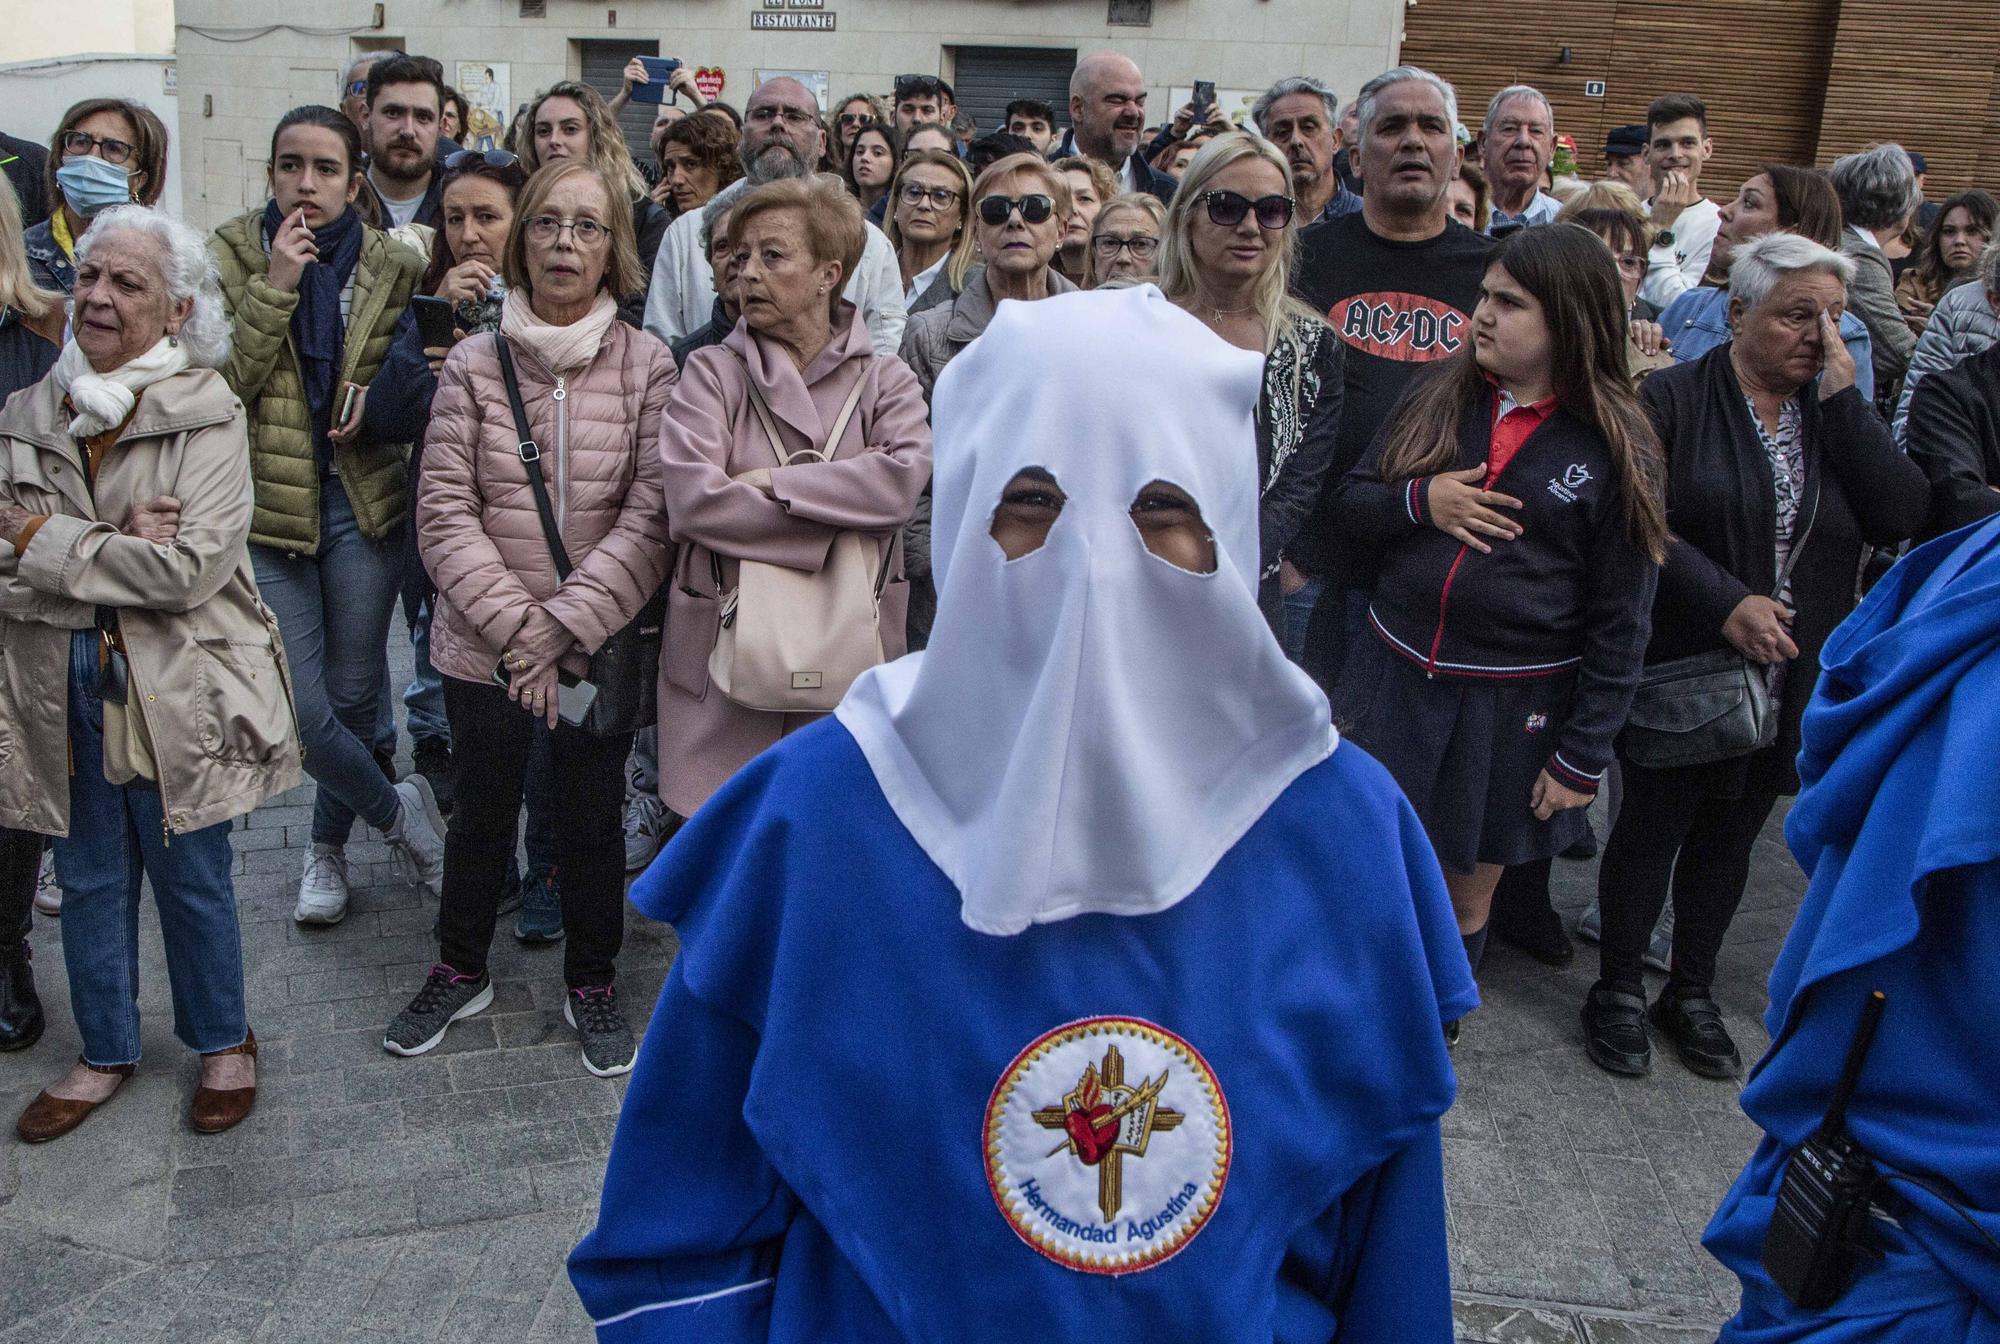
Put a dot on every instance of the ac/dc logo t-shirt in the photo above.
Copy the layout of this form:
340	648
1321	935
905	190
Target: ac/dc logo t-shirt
1398	307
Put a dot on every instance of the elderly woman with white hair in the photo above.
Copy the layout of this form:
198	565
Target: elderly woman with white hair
1774	484
147	700
1878	193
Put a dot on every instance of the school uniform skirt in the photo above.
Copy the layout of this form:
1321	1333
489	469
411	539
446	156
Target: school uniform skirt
1465	751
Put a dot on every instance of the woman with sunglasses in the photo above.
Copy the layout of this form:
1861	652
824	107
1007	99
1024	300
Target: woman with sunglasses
1226	256
1514	499
1125	239
316	298
849	116
105	152
929	225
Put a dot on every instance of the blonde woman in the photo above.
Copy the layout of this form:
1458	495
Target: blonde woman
1226	256
1125	239
929	225
1091	184
572	120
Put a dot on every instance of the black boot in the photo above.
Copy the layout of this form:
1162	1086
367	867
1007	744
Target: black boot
21	1019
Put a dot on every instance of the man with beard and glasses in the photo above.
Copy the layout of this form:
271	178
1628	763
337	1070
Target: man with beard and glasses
1300	116
1107	113
782	138
1515	148
405	102
1397	279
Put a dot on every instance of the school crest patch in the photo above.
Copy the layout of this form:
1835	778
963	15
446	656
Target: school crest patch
1108	1144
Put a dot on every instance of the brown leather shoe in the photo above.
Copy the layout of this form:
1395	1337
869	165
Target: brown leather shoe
50	1117
217	1108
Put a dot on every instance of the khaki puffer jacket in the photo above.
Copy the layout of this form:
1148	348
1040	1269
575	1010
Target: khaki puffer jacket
477	527
263	369
207	667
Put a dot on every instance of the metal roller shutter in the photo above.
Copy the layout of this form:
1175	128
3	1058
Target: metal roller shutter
986	79
604	70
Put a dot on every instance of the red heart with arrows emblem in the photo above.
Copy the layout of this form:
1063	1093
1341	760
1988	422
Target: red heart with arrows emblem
709	80
1092	1132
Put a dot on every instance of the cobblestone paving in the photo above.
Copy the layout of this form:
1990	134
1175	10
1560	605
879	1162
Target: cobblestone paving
374	1199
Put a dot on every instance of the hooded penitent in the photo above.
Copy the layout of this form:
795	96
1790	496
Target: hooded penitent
1091	727
1898	827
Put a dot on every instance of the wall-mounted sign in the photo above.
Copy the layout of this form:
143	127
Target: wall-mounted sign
1593	88
710	79
767	20
485	86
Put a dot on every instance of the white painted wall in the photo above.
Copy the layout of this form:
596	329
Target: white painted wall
34	95
34	29
1236	43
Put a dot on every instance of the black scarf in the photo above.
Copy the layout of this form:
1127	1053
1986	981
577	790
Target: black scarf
317	329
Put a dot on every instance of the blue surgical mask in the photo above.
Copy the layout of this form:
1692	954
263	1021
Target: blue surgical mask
90	184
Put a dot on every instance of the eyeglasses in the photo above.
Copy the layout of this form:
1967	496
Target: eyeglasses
1226	209
769	113
938	198
587	232
917	86
1632	264
82	142
1141	245
492	158
357	88
1034	209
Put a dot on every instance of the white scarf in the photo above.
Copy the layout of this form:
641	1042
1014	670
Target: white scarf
103	400
561	350
1091	728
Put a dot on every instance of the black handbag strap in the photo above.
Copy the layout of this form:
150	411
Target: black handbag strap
531	457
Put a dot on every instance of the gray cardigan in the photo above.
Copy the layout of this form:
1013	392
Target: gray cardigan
1872	296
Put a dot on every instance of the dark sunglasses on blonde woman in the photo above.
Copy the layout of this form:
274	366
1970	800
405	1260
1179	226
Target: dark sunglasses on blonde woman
1226	209
1034	209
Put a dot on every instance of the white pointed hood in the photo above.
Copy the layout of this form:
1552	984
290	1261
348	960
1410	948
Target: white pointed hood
1091	728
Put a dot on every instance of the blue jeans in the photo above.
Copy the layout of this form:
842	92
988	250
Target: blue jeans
333	610
117	838
1298	610
424	699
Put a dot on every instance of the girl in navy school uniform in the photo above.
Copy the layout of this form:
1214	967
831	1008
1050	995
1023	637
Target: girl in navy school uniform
1514	500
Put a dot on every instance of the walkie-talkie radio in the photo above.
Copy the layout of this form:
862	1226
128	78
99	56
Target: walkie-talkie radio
1816	1229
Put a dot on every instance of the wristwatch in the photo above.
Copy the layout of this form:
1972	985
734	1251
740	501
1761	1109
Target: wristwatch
1664	238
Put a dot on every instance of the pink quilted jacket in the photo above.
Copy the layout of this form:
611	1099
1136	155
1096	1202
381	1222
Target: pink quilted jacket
477	528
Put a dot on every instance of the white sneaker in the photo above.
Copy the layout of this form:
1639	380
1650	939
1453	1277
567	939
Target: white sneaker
48	896
418	836
645	829
323	891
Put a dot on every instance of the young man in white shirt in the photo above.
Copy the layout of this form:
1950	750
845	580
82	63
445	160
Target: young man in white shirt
1684	221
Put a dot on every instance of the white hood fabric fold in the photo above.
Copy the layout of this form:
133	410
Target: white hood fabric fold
1091	728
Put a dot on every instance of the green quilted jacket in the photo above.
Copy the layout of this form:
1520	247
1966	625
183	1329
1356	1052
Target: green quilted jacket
263	370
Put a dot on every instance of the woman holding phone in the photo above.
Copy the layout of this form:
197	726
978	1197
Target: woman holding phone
509	619
315	297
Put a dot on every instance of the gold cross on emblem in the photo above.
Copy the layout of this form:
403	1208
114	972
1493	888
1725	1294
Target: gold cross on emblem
1104	1121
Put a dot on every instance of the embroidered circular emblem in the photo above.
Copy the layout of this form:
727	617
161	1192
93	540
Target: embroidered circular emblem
1107	1144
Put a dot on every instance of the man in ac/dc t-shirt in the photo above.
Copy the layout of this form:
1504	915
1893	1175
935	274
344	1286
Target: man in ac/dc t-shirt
1398	282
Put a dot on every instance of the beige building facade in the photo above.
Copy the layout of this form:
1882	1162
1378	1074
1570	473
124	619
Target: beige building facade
238	74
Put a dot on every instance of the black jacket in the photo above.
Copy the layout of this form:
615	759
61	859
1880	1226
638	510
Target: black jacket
1569	595
711	333
26	165
1954	435
1722	512
1153	181
1295	437
25	357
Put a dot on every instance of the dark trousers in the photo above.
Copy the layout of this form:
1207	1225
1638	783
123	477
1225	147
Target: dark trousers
1676	826
20	862
491	741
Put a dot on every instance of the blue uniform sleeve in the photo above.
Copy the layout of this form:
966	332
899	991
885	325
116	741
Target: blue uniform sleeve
398	409
1376	1265
686	1243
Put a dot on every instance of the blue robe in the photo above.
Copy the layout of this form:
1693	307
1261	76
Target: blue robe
1898	827
802	1152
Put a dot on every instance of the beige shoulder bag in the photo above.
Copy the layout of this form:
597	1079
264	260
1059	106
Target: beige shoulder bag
792	642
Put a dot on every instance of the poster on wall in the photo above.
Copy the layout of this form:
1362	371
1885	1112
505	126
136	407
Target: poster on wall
1235	103
815	80
486	101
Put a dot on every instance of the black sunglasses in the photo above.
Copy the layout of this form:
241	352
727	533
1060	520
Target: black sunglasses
1034	209
492	158
912	86
1227	209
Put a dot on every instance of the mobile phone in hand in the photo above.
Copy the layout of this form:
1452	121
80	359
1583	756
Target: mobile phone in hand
435	319
346	406
659	69
1204	98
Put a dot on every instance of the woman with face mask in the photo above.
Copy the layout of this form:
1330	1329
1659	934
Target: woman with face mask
105	152
870	1104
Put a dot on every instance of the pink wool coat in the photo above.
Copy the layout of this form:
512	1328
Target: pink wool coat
477	528
878	472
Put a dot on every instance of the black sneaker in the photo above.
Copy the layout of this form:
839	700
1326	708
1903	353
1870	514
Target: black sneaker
1690	1019
1451	1031
446	997
1614	1031
431	758
540	920
608	1046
